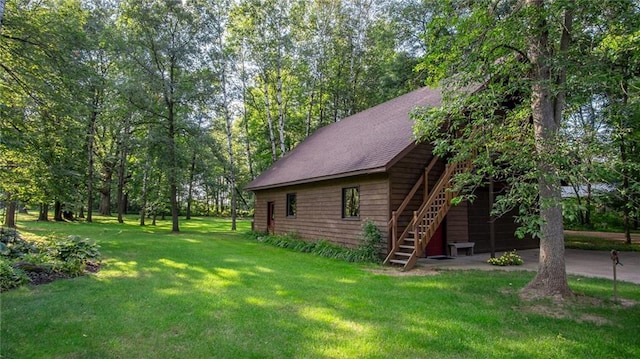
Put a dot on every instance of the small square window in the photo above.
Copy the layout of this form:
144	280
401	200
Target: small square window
351	202
291	204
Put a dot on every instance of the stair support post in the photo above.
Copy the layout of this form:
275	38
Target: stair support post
394	231
417	234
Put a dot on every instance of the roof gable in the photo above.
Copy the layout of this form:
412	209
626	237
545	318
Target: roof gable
366	142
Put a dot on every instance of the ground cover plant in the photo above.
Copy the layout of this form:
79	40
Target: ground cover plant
207	292
23	261
367	251
510	258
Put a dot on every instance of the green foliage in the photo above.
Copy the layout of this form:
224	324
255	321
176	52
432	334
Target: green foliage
66	257
12	245
77	249
605	214
178	289
11	277
322	247
579	241
507	259
370	240
488	43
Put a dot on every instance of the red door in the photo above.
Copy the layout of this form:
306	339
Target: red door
435	247
271	219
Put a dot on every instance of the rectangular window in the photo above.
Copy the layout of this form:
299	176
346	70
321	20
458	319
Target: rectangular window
291	204
351	202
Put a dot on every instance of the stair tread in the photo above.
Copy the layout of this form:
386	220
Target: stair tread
403	254
404	246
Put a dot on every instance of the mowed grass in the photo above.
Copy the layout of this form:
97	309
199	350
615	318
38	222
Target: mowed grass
208	292
577	241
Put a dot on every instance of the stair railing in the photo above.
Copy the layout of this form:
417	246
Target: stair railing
395	215
431	213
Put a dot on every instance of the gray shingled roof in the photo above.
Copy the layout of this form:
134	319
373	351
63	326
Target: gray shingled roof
367	142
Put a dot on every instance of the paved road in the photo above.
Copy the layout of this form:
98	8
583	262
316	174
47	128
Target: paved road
578	262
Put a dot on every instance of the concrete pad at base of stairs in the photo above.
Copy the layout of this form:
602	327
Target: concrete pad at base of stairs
578	262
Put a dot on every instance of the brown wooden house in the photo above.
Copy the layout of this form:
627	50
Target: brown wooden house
369	167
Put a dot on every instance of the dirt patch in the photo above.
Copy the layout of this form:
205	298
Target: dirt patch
546	310
38	278
397	272
570	308
552	310
595	319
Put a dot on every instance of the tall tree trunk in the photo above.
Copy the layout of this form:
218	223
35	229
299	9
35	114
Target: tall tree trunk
310	112
587	210
245	120
57	211
551	278
281	111
192	168
10	213
173	176
229	132
43	214
267	108
90	166
122	162
105	189
169	98
143	205
626	211
217	199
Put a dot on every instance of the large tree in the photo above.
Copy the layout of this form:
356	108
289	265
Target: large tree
164	36
507	67
42	103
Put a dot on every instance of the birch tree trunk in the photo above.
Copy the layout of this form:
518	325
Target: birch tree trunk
267	108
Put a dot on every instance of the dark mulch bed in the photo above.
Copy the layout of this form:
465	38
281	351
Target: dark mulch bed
43	277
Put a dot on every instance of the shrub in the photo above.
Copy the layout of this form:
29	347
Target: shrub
76	249
12	245
23	261
11	277
506	259
369	248
322	247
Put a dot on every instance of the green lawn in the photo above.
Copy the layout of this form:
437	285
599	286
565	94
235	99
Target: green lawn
210	293
578	241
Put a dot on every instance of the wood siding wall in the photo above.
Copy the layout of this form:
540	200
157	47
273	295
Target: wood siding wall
319	209
504	227
457	229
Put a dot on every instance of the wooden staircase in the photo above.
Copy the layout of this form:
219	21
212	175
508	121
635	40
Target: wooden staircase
412	242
